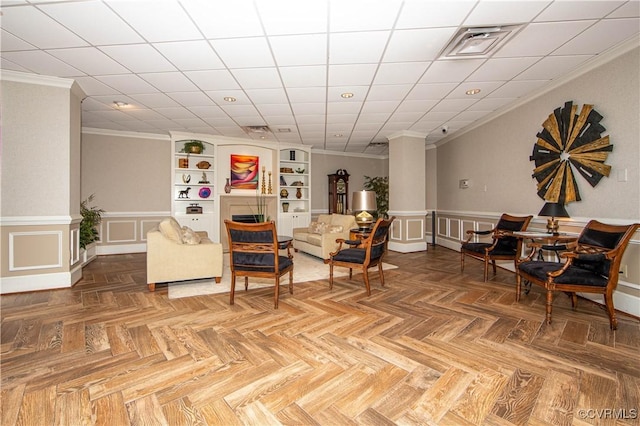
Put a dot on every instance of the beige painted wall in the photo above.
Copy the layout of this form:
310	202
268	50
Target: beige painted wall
497	153
127	174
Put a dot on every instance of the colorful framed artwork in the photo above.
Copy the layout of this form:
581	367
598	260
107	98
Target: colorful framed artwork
244	171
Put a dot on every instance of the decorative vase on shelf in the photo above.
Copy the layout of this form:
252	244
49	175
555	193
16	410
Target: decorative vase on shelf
298	193
285	207
227	187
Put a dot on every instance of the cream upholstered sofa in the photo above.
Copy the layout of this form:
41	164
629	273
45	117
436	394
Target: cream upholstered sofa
178	254
319	238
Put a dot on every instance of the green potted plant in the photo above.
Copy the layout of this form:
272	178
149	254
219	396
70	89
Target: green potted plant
193	146
379	185
91	218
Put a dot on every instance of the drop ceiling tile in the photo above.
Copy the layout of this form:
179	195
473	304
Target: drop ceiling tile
218	96
139	58
502	69
443	71
541	38
630	9
313	75
374	118
342	119
99	103
364	127
470	116
191	98
240	110
252	52
267	96
308	109
552	67
89	60
189	122
143	114
379	107
213	80
400	72
453	105
431	91
127	83
116	116
165	21
40	62
601	36
438	116
307	94
444	13
257	78
81	18
155	100
230	19
485	87
42	31
405	117
12	66
412	106
505	12
309	49
515	89
357	48
307	128
417	45
293	16
344	107
274	109
169	81
351	75
209	111
577	9
190	55
173	113
9	43
490	104
382	92
358	15
91	87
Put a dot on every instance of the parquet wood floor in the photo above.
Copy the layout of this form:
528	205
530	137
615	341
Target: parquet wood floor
433	347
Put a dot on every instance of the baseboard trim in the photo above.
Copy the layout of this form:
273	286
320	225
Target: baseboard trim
24	283
121	249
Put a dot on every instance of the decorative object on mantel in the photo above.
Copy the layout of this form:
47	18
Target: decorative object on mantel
297	183
568	139
286	170
192	146
204	178
292	155
184	193
186	178
284	193
282	181
263	186
298	193
183	163
203	164
227	187
285	207
270	186
299	170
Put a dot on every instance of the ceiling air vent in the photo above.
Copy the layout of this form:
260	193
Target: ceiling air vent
478	42
260	130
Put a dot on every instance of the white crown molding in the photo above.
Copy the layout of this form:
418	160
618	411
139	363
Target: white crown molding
407	133
43	80
124	134
39	220
349	154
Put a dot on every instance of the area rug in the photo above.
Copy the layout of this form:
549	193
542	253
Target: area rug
306	268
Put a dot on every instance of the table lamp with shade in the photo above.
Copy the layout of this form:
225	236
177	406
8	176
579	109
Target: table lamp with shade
363	203
552	211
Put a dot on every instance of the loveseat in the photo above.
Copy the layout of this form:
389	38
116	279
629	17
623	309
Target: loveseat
177	253
319	238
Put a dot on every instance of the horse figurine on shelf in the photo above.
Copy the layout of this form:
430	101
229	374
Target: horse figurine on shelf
184	193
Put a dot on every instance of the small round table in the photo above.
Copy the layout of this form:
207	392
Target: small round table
284	242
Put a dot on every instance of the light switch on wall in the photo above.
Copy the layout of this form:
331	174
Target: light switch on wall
464	183
622	175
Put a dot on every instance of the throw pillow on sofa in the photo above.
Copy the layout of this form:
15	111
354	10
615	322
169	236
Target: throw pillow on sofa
332	229
317	227
170	228
189	236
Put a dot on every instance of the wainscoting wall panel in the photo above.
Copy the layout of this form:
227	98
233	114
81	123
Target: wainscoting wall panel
35	250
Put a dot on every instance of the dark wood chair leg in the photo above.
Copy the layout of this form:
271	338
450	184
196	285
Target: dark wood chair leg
365	273
277	293
549	305
381	274
608	301
246	283
331	276
291	281
232	290
518	287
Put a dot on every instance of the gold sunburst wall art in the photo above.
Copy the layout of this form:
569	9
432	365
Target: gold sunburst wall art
568	143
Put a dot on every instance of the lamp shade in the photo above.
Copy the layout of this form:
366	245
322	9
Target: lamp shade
364	201
553	210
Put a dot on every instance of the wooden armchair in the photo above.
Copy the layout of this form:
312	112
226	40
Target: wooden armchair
592	266
253	252
502	247
363	254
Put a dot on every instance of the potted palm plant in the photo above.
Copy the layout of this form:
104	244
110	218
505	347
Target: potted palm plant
91	218
379	185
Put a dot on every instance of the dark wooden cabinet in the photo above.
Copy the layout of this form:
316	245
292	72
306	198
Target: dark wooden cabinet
339	192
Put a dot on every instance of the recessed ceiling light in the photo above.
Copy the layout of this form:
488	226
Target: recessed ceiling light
472	91
120	104
347	95
284	130
230	99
